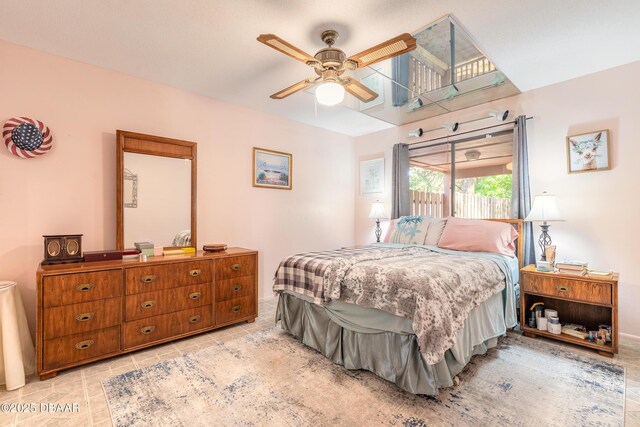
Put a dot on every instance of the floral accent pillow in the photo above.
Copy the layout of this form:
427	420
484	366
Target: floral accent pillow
408	230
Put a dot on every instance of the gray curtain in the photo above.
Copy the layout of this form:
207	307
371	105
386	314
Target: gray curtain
400	181
400	74
521	193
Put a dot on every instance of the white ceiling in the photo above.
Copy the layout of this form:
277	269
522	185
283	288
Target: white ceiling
209	46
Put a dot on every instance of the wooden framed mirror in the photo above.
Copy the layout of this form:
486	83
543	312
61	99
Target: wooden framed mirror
156	190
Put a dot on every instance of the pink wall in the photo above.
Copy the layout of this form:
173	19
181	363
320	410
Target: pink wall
601	208
72	188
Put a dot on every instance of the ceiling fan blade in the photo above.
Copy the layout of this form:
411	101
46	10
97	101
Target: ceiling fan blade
396	46
288	49
358	90
294	88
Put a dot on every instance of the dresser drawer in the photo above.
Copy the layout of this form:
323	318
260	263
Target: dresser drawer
81	287
75	348
84	317
144	331
235	288
148	304
577	290
157	277
237	266
233	309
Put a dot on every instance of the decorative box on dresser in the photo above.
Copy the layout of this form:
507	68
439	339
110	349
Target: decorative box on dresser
91	311
589	300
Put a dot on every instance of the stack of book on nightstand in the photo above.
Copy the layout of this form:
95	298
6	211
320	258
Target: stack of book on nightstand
571	267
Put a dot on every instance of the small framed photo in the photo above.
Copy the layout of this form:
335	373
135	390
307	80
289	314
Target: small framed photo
588	152
272	169
372	176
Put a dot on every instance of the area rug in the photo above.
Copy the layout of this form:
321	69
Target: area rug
270	378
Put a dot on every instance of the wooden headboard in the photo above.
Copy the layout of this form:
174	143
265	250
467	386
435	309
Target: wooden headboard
518	224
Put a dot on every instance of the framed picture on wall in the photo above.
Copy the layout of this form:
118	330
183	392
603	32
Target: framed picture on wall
588	152
372	176
272	169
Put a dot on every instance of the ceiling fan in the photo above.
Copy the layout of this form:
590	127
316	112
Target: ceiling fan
330	63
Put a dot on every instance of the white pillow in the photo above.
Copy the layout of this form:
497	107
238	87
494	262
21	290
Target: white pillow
436	227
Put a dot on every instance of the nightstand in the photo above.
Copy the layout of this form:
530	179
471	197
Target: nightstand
586	300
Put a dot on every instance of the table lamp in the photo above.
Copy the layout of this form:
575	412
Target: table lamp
544	209
377	213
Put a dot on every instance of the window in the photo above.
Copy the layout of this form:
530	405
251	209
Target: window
482	174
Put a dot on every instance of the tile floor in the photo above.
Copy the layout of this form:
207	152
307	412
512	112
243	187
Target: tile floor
82	385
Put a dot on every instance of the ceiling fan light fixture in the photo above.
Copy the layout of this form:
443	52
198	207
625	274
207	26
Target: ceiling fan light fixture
330	93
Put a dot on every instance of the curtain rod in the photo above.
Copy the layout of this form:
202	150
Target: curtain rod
457	134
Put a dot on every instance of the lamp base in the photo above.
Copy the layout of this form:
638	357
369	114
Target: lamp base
378	231
544	240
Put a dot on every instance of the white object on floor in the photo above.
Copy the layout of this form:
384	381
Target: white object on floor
17	355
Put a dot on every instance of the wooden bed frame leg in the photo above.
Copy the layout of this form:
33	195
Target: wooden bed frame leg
529	335
605	353
251	320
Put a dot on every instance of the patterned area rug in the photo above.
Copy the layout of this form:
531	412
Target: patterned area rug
269	378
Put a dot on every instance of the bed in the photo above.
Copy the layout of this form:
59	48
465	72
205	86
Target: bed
413	314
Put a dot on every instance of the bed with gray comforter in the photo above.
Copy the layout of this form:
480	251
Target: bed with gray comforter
414	315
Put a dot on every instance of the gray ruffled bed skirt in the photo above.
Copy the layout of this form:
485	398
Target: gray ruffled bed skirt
390	355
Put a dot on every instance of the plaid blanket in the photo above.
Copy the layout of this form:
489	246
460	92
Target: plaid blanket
435	290
308	273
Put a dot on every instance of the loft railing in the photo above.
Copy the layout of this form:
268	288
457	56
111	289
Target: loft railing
422	77
473	68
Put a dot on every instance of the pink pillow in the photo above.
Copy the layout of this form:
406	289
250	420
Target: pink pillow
476	235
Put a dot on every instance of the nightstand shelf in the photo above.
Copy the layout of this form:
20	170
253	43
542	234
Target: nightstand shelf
584	300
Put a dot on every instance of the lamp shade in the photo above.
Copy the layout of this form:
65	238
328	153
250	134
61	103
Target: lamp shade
377	211
544	209
330	93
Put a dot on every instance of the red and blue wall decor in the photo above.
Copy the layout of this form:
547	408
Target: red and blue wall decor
26	138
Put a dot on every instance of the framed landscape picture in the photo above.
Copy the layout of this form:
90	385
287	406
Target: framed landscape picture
588	152
272	169
372	176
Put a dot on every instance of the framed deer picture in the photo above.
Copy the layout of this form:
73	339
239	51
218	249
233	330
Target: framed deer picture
588	152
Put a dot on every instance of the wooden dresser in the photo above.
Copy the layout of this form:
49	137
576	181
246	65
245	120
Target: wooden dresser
91	311
586	300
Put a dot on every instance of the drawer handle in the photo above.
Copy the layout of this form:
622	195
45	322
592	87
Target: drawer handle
235	309
236	288
147	329
563	288
83	317
194	319
147	304
82	345
85	287
235	267
148	279
195	295
195	273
